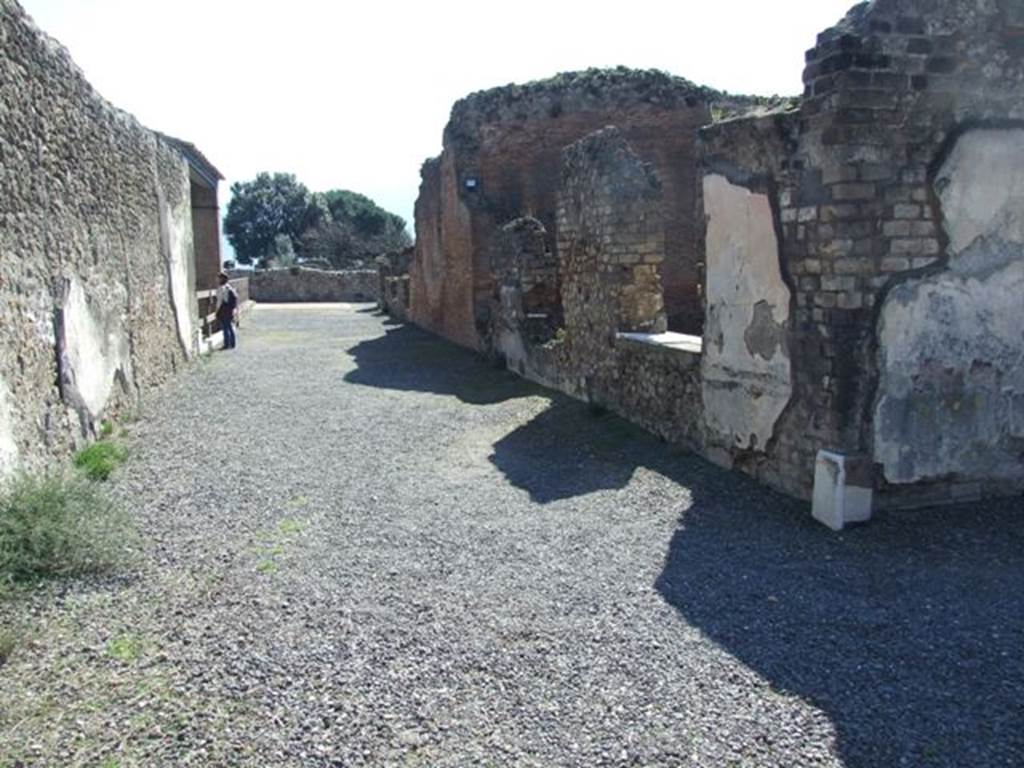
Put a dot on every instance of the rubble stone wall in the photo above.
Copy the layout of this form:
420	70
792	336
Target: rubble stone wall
299	284
96	271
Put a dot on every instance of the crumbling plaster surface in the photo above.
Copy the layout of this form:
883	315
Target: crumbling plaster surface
8	446
176	225
96	351
746	364
951	344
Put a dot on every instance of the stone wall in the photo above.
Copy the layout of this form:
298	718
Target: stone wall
895	199
206	226
502	161
610	242
864	252
393	283
604	340
97	287
298	284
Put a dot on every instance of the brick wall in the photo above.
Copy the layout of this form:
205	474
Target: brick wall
502	161
852	178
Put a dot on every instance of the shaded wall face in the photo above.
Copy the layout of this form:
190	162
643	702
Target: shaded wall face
441	277
96	290
951	347
746	361
206	229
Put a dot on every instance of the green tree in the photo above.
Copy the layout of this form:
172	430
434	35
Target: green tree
348	228
260	210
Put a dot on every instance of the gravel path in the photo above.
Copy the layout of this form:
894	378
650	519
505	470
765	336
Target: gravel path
363	546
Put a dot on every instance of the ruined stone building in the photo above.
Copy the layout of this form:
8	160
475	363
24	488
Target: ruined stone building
843	274
105	229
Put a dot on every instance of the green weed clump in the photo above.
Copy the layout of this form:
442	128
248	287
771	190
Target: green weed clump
100	459
59	525
8	642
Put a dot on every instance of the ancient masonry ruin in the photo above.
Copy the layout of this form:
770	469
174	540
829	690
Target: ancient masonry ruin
107	230
831	290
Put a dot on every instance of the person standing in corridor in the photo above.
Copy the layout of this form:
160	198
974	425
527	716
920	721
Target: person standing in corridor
227	304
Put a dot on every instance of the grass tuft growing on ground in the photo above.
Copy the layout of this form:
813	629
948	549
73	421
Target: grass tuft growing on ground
126	648
100	459
59	525
8	642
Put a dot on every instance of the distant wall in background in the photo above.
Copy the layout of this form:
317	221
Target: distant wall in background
298	284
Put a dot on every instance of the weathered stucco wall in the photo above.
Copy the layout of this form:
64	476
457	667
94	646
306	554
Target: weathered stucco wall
951	343
868	223
95	252
746	367
298	284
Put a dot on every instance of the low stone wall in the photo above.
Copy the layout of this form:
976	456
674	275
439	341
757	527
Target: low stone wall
97	289
298	284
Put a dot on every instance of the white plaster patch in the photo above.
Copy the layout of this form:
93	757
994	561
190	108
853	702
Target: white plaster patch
8	446
746	385
179	225
96	348
981	186
951	345
952	388
681	342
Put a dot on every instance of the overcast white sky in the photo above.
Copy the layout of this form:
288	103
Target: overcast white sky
355	95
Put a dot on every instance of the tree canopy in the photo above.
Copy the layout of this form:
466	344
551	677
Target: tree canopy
341	227
262	209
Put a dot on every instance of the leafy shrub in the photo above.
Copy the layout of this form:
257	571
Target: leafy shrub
100	459
59	525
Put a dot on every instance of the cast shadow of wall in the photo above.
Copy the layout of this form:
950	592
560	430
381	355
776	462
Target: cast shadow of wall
410	359
907	632
569	450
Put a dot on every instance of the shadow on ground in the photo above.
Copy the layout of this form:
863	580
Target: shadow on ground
907	632
410	359
569	450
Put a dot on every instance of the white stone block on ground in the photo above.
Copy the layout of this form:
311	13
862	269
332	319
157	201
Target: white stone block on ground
842	490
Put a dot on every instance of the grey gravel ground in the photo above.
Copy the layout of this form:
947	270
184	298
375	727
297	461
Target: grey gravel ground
363	546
